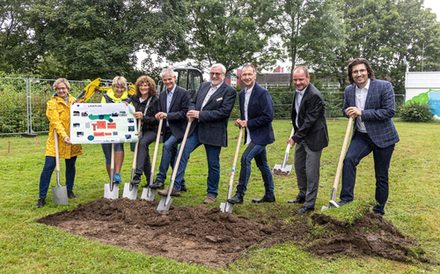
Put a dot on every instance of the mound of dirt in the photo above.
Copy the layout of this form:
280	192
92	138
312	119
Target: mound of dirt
208	236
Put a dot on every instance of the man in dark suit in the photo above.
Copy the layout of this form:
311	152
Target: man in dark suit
371	102
256	115
310	137
174	103
210	113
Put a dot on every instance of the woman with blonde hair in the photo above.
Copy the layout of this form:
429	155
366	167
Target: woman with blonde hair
58	113
117	94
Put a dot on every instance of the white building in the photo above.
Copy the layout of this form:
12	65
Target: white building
417	82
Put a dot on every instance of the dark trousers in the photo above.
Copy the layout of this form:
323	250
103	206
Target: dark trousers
49	166
143	163
259	153
361	145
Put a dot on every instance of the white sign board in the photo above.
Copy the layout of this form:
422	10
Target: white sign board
102	124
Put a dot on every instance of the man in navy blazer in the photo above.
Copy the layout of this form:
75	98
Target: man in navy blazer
311	137
210	113
173	106
256	115
371	102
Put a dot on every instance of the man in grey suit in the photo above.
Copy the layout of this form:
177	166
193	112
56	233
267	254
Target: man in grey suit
371	102
311	137
210	113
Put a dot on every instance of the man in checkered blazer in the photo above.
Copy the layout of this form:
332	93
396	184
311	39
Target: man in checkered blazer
371	102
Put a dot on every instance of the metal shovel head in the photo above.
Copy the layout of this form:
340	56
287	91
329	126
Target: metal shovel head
111	194
226	207
59	195
330	205
164	204
130	191
279	170
148	194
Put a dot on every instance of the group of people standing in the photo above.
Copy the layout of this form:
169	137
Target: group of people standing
369	101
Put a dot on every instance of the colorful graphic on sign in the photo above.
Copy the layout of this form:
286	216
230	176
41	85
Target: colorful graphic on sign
102	124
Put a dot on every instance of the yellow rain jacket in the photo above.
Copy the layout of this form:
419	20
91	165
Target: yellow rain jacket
58	113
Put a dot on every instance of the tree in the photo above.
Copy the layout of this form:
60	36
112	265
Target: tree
311	31
232	32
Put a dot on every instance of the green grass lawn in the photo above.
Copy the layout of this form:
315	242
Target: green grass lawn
414	205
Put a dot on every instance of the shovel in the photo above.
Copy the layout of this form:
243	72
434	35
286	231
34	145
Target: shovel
148	193
284	169
165	201
332	202
59	192
227	207
130	190
111	190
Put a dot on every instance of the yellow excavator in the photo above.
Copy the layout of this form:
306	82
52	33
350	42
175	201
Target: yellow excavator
98	85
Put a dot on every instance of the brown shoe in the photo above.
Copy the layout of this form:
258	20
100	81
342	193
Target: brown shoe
209	199
174	192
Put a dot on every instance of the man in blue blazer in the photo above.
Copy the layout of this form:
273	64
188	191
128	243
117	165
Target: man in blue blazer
256	115
210	113
173	106
371	102
311	137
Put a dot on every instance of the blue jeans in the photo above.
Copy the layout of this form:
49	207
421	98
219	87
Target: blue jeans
361	145
259	153
213	156
169	150
49	166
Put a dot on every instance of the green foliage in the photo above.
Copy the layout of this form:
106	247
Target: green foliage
232	32
414	112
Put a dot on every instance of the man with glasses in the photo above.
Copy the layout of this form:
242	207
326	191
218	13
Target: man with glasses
371	103
209	112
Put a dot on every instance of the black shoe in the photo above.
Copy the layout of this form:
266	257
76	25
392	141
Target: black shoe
265	199
304	210
183	189
136	180
71	195
297	201
41	202
377	210
237	199
157	185
342	202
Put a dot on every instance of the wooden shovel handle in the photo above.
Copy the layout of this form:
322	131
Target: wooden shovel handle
343	152
234	164
156	148
57	156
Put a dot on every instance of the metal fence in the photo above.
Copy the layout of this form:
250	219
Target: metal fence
23	103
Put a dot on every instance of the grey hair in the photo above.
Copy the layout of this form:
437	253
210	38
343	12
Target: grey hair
59	81
166	71
221	66
304	69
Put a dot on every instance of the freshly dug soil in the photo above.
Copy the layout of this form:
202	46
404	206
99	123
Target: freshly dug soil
210	237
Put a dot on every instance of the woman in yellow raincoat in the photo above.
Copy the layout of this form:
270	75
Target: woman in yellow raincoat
117	94
58	113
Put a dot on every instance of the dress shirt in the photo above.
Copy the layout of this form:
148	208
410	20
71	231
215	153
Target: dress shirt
361	97
211	91
170	94
298	100
247	96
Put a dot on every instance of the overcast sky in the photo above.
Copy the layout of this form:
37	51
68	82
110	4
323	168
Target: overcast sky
434	5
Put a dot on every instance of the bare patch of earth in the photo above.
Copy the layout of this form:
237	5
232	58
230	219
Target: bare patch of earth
210	237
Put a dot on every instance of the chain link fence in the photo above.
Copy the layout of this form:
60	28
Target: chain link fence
23	103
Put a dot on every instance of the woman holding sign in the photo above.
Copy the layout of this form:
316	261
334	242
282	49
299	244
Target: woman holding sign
117	94
58	113
146	104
